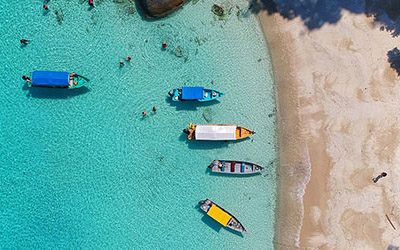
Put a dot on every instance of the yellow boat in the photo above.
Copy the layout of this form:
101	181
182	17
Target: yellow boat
221	215
217	132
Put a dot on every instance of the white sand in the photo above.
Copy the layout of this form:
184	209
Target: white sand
339	113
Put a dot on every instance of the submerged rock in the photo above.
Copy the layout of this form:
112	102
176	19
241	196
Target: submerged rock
59	16
208	114
160	8
218	10
179	51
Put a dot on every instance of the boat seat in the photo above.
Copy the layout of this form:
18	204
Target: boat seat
243	167
233	164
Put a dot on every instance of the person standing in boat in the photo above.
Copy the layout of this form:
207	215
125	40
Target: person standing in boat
72	81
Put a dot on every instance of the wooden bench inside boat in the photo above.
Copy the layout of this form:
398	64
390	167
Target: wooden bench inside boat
233	164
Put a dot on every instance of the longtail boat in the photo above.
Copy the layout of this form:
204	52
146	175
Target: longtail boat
217	132
235	167
55	79
199	94
221	215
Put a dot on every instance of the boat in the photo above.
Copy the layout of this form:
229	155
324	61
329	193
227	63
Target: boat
199	94
55	79
235	167
221	215
217	132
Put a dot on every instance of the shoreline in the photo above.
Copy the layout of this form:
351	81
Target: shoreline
338	126
293	161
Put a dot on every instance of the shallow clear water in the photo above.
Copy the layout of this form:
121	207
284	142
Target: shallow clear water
82	168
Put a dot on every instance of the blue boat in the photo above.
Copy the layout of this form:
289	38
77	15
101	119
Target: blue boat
199	94
54	79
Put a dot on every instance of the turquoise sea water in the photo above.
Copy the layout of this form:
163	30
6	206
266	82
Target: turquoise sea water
81	168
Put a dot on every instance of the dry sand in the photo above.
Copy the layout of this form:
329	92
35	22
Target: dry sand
339	119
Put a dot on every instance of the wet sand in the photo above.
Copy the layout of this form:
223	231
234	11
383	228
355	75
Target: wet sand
339	124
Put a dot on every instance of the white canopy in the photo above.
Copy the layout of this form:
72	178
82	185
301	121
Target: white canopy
215	132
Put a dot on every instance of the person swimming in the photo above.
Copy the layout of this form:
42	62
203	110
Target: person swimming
91	4
26	79
45	7
24	41
154	109
128	58
164	45
144	113
121	63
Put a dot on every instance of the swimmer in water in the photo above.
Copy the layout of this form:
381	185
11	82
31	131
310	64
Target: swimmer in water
24	41
26	79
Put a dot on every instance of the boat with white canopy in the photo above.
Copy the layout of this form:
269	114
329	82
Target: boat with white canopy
217	132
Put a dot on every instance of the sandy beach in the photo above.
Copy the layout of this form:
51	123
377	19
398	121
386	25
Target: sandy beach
339	124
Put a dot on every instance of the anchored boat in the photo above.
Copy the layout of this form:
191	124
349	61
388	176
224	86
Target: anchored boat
54	79
218	132
234	167
199	94
221	215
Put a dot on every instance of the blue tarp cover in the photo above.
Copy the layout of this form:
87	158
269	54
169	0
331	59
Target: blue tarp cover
50	78
192	93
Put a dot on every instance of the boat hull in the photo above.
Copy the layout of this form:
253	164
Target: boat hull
235	167
233	223
208	95
80	80
217	132
243	133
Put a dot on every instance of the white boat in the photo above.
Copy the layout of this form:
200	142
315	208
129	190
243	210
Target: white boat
217	132
235	167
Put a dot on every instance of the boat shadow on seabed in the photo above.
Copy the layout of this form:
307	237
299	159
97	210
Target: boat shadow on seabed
204	145
56	93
